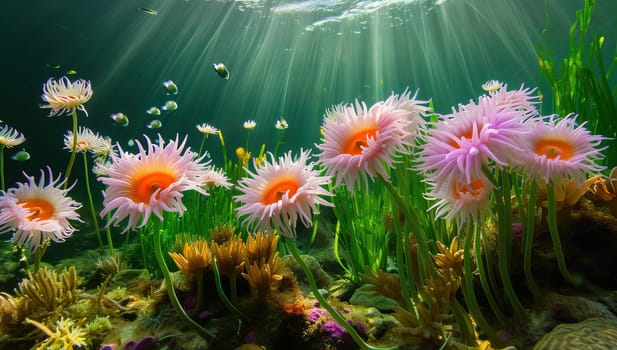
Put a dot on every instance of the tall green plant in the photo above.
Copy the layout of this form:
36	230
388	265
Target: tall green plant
579	81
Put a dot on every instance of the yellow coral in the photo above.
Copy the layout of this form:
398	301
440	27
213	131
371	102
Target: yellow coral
449	258
46	290
264	275
229	257
567	194
222	233
195	257
385	284
66	336
260	246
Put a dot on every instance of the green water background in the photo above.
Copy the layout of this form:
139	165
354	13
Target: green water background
287	59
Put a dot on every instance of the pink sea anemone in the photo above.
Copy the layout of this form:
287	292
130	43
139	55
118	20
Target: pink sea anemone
38	212
461	143
360	144
461	201
151	181
282	191
558	149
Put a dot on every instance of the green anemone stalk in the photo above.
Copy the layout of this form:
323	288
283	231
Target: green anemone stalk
203	142
173	298
69	167
552	227
528	232
219	289
504	244
291	247
95	220
3	187
469	292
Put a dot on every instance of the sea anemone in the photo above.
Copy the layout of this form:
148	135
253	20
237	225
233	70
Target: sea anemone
359	144
10	137
280	192
522	99
215	178
249	124
461	201
207	129
36	212
66	97
150	182
464	141
87	141
558	149
414	111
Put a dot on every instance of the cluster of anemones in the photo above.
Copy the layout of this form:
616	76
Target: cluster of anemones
501	131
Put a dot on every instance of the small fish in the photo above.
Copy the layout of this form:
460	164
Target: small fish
149	11
130	143
221	70
54	66
153	111
171	87
120	119
21	156
170	106
71	72
155	124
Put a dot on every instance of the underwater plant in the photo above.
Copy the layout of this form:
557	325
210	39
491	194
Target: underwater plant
580	81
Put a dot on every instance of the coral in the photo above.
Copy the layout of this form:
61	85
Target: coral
13	310
110	264
96	329
264	275
46	290
261	246
66	336
567	194
195	257
593	333
605	189
222	233
229	256
385	284
432	311
449	258
144	343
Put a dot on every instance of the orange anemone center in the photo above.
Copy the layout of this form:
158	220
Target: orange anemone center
354	143
144	187
474	188
276	189
467	135
553	148
40	208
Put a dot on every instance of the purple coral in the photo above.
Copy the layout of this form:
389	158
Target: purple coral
316	313
333	330
145	343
